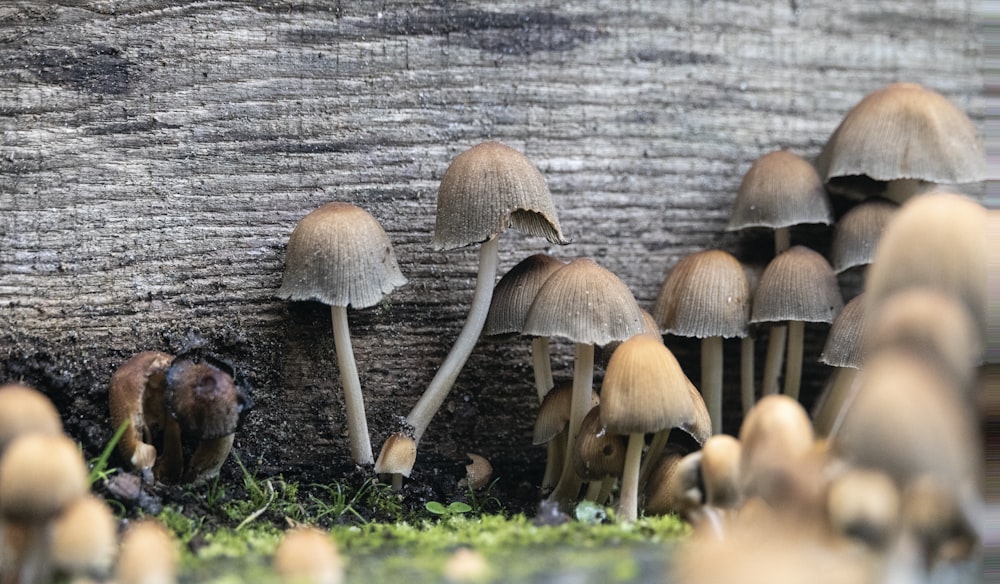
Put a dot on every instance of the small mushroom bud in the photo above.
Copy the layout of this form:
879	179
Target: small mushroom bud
478	473
148	555
308	556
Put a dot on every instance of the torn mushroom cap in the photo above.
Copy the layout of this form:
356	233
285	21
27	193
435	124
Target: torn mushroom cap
644	389
85	539
720	471
864	504
148	554
705	295
586	304
903	131
781	189
308	555
798	284
205	400
40	474
515	292
844	345
24	409
398	455
937	240
598	453
554	411
340	256
856	234
137	396
487	189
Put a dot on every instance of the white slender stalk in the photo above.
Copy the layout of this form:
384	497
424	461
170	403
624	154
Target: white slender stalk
793	362
746	373
556	450
429	403
568	488
833	400
354	401
772	363
628	502
542	366
593	490
711	379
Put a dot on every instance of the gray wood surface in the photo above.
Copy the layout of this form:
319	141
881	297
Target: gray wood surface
155	156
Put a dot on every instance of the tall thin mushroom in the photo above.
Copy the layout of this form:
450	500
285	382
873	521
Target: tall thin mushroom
485	190
340	256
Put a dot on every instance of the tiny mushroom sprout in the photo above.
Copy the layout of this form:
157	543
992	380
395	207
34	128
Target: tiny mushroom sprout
550	429
798	286
856	234
901	140
706	296
340	256
644	391
307	555
485	190
588	305
843	350
148	555
23	410
780	190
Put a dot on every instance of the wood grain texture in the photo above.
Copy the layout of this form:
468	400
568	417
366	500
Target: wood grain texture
156	154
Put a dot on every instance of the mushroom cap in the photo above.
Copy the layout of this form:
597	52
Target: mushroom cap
856	235
584	303
776	435
700	428
487	189
514	293
904	131
137	396
148	555
596	452
781	189
204	399
478	473
398	455
644	389
798	284
40	474
85	538
340	256
844	345
307	554
720	471
705	295
864	504
24	409
554	412
674	485
936	240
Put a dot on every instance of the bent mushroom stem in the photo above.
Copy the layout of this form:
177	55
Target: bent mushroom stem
628	503
429	403
656	446
357	423
793	363
542	366
711	379
772	363
568	488
746	373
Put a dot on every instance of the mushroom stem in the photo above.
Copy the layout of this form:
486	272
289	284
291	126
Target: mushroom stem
568	488
429	403
772	363
606	486
34	562
833	400
555	452
542	366
656	446
793	361
354	403
746	372
782	240
628	502
711	379
593	490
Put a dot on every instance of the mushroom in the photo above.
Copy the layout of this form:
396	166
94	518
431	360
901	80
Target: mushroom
901	140
856	234
775	438
798	286
598	456
706	296
644	391
399	453
780	190
340	256
85	540
148	555
478	473
674	485
720	471
843	350
307	555
589	305
24	409
864	505
551	429
485	190
136	396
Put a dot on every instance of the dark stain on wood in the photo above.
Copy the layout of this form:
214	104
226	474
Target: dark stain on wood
95	68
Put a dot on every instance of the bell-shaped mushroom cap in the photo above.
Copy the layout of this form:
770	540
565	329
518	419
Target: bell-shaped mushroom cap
857	233
39	475
705	295
340	256
844	342
553	413
720	471
907	420
85	538
487	189
674	486
700	428
904	131
936	240
515	292
23	410
584	303
776	435
781	189
148	555
596	452
644	389
864	504
798	284
308	555
398	455
933	326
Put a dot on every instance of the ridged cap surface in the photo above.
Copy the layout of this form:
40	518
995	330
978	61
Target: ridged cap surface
856	235
798	284
705	295
844	345
781	189
514	293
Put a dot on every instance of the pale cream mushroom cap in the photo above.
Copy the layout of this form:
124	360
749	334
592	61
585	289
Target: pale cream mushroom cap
24	409
307	555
